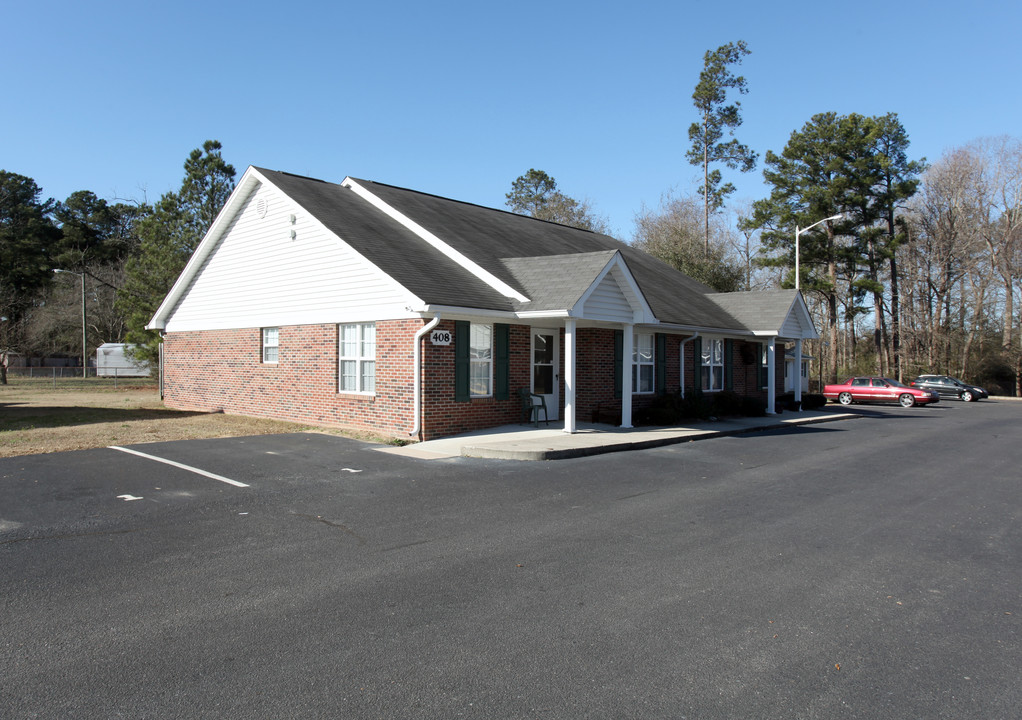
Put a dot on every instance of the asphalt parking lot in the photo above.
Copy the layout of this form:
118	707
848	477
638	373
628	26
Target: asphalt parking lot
862	569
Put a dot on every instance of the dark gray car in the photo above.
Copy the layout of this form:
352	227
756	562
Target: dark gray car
948	386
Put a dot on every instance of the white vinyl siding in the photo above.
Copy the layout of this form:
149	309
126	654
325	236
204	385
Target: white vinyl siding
608	302
791	327
257	275
357	358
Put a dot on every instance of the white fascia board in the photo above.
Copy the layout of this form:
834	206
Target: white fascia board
487	277
544	314
451	311
704	330
249	181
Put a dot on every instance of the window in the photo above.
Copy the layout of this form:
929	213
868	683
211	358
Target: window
643	367
271	344
480	355
764	367
713	364
357	356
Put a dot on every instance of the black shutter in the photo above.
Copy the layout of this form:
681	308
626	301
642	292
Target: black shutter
619	358
462	338
697	364
661	363
502	359
728	365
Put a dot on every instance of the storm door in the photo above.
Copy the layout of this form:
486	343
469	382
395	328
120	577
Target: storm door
545	367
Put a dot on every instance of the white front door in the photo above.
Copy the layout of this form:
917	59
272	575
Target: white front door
546	379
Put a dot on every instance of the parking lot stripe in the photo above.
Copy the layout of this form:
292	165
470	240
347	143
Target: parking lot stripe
197	471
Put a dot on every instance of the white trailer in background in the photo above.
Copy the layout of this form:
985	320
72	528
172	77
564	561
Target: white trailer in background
112	361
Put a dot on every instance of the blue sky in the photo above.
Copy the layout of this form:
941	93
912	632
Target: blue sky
460	98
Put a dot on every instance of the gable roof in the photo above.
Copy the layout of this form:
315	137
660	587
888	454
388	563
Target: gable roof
454	254
488	236
775	312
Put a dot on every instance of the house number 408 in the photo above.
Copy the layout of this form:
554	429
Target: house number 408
440	337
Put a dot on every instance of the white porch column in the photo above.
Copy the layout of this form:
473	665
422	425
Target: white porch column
569	375
771	377
626	376
797	380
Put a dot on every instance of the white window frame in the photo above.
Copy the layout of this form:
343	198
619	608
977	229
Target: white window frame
642	363
481	361
270	345
716	367
359	352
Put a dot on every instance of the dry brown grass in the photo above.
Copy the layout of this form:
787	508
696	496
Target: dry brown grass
36	417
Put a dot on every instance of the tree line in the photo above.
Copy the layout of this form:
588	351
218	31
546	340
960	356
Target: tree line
906	267
127	255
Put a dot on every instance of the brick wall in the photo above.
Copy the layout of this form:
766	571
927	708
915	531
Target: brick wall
442	415
223	370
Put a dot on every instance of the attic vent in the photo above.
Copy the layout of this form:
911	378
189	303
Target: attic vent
261	207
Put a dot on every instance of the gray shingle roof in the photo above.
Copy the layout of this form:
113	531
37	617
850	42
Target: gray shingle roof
488	236
551	264
554	282
764	310
396	250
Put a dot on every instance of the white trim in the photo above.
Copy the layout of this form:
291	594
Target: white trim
570	330
797	371
698	380
771	377
487	277
626	375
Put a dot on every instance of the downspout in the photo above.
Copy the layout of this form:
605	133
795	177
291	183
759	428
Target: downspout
417	372
682	353
159	359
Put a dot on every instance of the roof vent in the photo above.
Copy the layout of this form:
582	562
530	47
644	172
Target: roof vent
261	207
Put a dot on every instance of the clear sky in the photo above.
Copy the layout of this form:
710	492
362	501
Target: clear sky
460	98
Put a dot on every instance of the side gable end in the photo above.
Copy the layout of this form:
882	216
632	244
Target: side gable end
267	261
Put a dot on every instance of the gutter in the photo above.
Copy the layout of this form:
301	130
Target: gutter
417	372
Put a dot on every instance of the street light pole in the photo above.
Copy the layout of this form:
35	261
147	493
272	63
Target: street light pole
85	344
799	231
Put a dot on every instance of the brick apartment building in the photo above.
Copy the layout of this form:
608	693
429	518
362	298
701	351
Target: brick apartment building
372	307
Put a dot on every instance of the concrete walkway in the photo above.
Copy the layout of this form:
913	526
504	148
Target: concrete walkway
519	442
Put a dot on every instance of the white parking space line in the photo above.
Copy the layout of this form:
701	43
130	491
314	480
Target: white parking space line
197	471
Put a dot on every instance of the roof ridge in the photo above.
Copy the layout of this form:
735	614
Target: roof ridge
476	205
295	175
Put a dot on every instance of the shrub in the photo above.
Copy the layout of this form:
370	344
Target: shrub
813	401
727	403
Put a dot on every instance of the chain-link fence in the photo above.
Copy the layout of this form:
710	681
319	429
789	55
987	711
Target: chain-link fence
72	378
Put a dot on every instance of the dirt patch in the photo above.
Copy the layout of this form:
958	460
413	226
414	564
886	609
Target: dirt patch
36	418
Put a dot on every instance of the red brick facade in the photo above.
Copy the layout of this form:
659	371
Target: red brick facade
223	370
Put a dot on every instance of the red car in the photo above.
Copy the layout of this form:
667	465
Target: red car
878	389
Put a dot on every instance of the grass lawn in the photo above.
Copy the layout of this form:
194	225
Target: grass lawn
43	415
